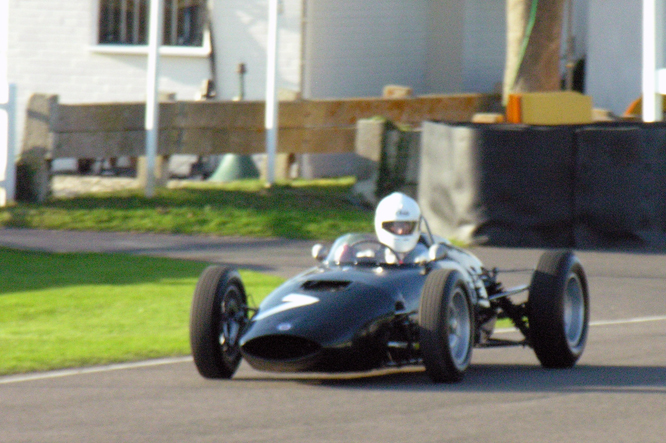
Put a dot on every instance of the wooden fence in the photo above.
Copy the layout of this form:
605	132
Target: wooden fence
54	130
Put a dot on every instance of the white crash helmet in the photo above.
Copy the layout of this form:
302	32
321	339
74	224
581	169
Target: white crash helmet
397	220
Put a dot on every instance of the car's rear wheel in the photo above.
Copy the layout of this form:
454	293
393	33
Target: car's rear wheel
217	319
558	310
446	321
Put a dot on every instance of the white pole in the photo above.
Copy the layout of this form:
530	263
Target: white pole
7	146
7	113
653	59
152	103
271	119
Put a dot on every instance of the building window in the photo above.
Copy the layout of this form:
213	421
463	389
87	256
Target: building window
125	22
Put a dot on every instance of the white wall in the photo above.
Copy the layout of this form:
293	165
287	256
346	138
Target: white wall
356	47
444	43
484	45
613	70
240	36
51	50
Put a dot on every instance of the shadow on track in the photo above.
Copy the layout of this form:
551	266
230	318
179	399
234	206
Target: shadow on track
494	378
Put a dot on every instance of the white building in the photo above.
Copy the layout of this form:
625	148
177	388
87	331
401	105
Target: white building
614	53
94	50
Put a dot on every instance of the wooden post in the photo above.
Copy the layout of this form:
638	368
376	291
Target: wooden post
33	174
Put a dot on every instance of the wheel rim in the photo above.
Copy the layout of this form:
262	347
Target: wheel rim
574	311
231	321
459	330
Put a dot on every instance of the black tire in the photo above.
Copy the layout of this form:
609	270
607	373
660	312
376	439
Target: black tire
217	319
446	322
558	310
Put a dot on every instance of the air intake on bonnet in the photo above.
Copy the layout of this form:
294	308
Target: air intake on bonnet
325	285
280	347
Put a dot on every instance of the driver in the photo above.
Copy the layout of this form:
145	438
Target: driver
397	220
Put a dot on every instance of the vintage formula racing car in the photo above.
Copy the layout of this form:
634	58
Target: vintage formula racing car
360	309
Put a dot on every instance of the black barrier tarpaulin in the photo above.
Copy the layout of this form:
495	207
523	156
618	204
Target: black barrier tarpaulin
620	186
498	184
591	186
654	142
526	184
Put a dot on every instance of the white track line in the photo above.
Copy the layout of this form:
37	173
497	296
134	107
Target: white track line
92	370
169	361
626	321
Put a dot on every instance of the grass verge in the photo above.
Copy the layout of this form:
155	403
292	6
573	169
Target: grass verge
72	310
313	209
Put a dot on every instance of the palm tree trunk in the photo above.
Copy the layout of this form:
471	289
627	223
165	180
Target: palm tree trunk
534	29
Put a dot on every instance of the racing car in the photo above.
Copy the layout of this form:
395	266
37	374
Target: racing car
359	309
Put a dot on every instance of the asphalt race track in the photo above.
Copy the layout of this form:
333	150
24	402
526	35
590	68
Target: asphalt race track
617	392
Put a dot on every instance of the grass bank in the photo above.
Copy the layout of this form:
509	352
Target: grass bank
314	209
72	310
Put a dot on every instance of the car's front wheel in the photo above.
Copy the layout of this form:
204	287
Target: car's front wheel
446	320
217	319
558	310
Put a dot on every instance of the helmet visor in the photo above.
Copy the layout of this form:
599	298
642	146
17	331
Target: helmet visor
399	227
